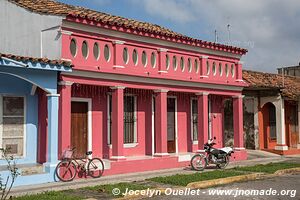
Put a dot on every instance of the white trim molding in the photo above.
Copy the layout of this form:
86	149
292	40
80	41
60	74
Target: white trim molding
117	87
176	123
161	90
118	67
281	148
53	95
202	93
169	82
162	49
90	130
161	154
119	42
66	83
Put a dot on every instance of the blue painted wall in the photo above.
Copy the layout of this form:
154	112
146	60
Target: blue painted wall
11	85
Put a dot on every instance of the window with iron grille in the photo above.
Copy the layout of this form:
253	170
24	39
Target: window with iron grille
129	119
12	120
194	120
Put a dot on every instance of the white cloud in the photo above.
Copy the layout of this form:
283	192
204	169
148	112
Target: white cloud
269	29
173	10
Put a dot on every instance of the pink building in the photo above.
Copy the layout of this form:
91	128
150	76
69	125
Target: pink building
140	96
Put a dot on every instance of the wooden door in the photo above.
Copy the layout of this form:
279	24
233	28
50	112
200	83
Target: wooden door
79	128
291	125
171	125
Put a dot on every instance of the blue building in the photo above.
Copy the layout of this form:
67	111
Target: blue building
29	115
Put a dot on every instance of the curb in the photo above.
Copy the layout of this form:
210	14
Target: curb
223	181
162	190
287	171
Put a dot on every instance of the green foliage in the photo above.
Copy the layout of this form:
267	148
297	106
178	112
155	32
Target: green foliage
184	179
48	196
121	186
268	168
6	184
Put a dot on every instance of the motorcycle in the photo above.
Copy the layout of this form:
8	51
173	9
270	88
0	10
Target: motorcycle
219	157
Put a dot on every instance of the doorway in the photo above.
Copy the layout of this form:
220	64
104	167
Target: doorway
79	128
171	124
269	126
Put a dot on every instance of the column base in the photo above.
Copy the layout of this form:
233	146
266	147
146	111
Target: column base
161	155
281	147
240	153
49	166
117	158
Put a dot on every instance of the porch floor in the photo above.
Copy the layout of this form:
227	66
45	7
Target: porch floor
290	151
26	169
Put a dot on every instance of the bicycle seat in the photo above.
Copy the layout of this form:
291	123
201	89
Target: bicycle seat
89	153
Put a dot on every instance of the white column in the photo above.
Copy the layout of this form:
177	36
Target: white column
52	140
280	125
256	124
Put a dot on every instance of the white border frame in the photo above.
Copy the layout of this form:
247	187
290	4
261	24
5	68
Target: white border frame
24	123
176	123
191	122
152	124
90	130
127	145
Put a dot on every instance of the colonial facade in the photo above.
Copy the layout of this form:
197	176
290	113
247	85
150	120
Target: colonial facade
273	100
140	96
29	115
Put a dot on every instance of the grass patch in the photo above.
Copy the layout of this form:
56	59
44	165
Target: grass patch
53	195
121	186
184	179
269	168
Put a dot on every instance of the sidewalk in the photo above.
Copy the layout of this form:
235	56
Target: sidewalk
56	186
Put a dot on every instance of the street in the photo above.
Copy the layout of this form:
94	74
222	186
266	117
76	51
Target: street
286	185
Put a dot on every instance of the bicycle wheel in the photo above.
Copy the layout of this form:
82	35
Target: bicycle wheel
66	170
95	168
198	162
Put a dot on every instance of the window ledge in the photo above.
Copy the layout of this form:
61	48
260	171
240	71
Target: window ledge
195	142
128	145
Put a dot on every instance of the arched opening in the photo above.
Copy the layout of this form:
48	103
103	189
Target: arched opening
269	126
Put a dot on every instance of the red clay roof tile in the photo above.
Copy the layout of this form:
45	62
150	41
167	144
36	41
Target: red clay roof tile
37	60
51	7
289	85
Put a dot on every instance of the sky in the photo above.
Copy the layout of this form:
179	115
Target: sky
269	29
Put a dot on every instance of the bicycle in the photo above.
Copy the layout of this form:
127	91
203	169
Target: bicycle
66	169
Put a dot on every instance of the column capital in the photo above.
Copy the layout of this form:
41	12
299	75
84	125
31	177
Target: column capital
238	97
202	93
161	90
118	42
204	57
117	87
52	95
66	83
162	49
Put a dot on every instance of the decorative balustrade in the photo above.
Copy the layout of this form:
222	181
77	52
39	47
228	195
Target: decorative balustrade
126	57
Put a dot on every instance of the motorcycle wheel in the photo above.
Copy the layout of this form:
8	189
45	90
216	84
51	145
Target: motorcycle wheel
198	162
225	163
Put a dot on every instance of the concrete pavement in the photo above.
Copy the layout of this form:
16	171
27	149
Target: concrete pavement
79	183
